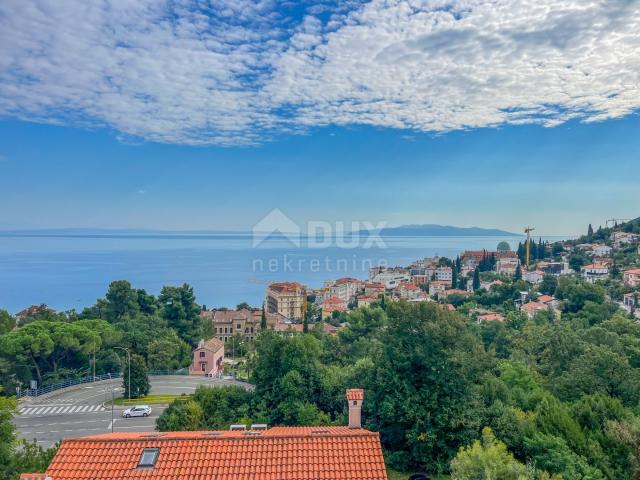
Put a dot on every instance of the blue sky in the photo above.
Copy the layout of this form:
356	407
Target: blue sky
184	115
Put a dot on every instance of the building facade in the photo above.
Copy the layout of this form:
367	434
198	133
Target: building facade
288	299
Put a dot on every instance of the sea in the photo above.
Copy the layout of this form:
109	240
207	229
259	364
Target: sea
72	271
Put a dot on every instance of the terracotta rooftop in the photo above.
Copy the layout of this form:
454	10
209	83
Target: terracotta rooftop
280	453
213	345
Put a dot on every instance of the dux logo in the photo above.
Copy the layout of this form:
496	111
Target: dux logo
276	223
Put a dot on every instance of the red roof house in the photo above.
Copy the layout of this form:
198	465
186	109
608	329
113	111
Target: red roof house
278	453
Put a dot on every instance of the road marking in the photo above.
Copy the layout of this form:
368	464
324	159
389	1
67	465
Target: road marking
110	425
26	411
46	410
38	411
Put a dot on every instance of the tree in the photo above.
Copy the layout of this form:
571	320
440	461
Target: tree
243	306
487	459
7	322
518	275
7	433
18	457
48	346
422	389
121	300
181	415
168	353
476	279
263	320
182	313
590	231
549	284
139	378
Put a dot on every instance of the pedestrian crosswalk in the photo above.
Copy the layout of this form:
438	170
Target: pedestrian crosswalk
42	410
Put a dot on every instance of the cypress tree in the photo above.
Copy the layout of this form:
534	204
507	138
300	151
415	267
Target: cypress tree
518	273
263	320
476	279
590	231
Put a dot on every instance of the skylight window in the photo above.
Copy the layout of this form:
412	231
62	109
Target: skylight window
149	457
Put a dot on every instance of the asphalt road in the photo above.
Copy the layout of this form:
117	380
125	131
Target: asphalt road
80	411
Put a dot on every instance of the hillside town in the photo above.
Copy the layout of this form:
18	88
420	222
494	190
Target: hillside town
456	284
542	334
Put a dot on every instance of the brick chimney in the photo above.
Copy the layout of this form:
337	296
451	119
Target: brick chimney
355	396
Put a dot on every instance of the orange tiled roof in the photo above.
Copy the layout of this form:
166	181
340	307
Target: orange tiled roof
355	394
491	317
212	345
294	453
33	476
534	306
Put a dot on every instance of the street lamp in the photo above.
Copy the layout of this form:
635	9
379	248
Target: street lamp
129	362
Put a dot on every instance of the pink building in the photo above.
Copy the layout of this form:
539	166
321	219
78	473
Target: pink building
207	358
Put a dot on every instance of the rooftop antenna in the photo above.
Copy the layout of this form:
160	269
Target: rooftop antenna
528	231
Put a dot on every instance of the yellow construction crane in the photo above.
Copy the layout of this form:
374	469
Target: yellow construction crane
528	230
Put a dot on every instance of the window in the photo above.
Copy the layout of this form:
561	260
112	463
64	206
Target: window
238	326
202	354
204	367
149	457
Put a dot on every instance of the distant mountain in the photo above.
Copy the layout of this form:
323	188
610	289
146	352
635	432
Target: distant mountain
431	230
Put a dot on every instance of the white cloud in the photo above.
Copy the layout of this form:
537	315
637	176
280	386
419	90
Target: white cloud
238	71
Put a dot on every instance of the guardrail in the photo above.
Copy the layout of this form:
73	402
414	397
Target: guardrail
36	392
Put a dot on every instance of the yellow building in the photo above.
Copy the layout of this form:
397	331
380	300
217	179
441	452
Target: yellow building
289	299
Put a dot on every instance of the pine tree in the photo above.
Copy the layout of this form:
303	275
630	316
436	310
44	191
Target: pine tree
476	279
263	320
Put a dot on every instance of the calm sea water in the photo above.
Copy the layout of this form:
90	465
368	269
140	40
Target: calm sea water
72	272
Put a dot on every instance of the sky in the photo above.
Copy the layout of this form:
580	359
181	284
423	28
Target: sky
209	114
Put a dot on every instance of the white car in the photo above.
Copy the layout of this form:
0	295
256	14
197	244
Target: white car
137	411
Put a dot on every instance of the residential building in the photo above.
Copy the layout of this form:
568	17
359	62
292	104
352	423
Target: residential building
409	291
374	289
444	274
389	277
490	317
623	238
367	300
333	304
555	268
227	323
345	288
548	300
437	288
260	453
532	308
507	265
488	285
630	300
289	299
602	250
32	311
454	291
631	278
534	276
207	358
595	271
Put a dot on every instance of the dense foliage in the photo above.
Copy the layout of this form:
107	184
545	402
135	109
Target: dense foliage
49	347
16	456
559	392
